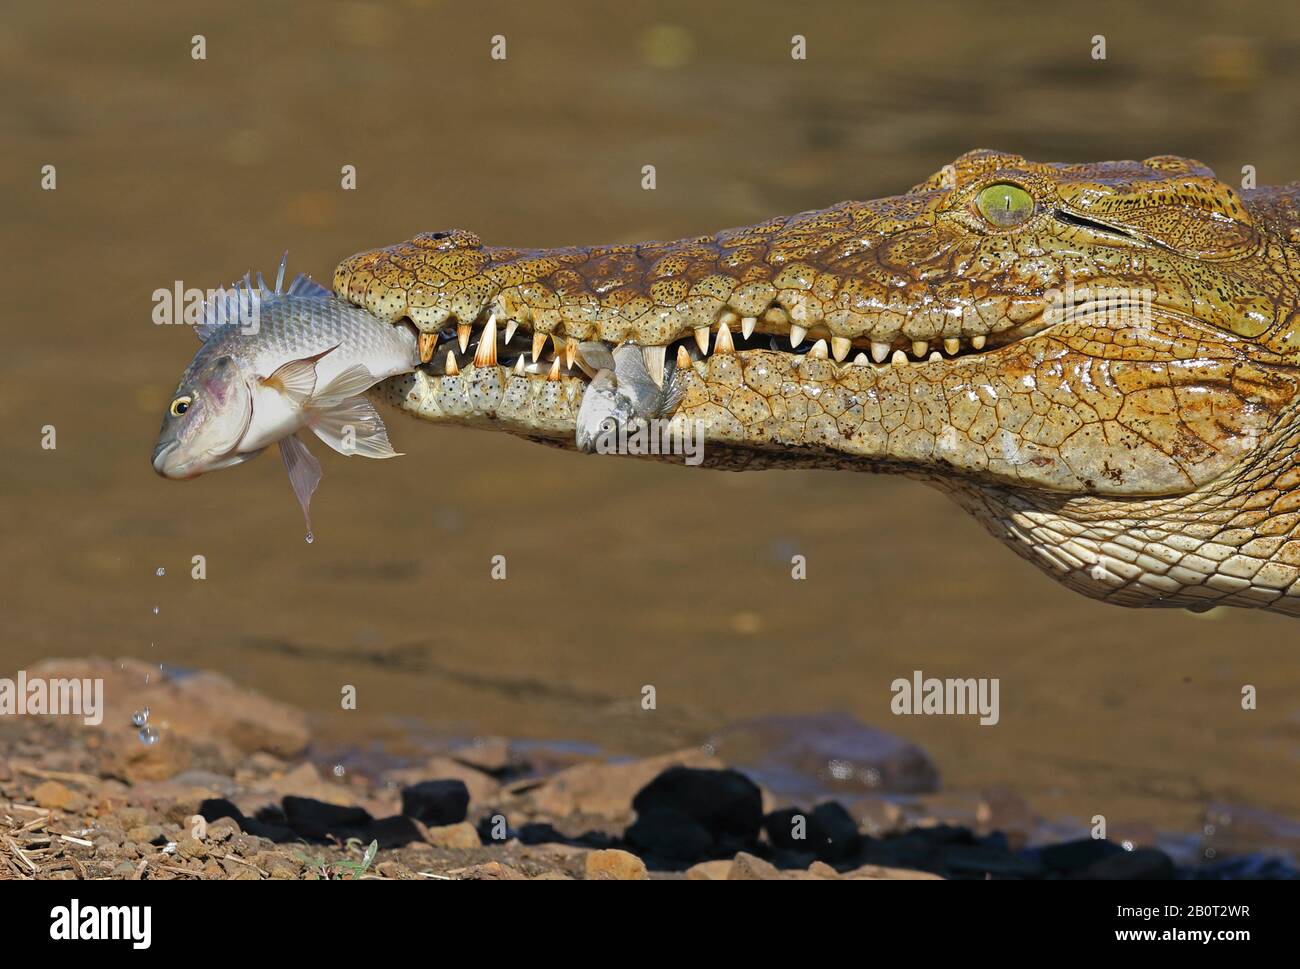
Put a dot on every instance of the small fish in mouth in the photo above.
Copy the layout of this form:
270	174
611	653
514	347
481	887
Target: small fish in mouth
274	362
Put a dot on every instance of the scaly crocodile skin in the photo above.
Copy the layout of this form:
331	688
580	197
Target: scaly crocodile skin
1110	385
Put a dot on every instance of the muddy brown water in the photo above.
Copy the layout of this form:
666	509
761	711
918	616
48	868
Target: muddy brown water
620	573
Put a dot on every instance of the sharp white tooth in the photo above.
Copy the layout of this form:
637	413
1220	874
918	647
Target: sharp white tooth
797	333
818	351
510	329
463	330
702	338
899	357
555	370
935	355
724	344
978	341
539	344
861	360
683	358
519	365
451	368
487	344
951	345
570	353
840	347
654	362
879	351
747	326
920	348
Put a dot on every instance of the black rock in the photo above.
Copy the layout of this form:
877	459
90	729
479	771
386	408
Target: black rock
833	834
980	861
1072	856
1143	864
319	820
726	803
218	807
781	826
670	836
391	832
436	803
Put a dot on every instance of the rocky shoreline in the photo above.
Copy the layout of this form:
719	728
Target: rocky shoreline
228	791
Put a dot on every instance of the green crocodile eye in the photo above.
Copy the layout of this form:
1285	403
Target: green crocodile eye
1005	205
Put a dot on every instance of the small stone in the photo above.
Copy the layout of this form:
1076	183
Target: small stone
463	835
822	870
317	820
191	848
615	864
554	875
123	869
725	802
282	870
491	871
747	867
671	836
145	833
245	874
55	796
222	829
1072	856
392	869
710	871
886	873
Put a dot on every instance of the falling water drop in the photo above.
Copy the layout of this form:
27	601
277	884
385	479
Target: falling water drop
148	736
339	770
310	538
155	610
160	571
140	717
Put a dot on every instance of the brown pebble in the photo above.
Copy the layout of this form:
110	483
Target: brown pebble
614	864
747	867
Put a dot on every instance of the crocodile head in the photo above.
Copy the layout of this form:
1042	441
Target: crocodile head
1098	360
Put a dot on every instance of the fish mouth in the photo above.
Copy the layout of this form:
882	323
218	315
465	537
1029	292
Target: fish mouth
160	453
172	471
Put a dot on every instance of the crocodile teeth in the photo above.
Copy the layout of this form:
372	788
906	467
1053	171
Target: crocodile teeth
487	344
539	344
683	358
654	362
879	351
570	353
898	358
702	338
463	330
920	348
452	368
861	360
519	366
978	341
797	333
951	345
840	347
818	351
428	342
510	329
935	355
747	325
723	343
555	370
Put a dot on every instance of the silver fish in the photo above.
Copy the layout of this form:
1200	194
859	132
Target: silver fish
274	362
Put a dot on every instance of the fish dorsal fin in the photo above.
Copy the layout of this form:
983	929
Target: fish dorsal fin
228	307
303	285
297	378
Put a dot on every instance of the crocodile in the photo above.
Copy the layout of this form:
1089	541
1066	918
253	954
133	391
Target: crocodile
1099	361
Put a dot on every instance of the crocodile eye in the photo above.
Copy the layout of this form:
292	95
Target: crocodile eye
1005	205
180	405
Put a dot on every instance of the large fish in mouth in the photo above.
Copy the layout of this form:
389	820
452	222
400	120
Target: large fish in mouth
274	362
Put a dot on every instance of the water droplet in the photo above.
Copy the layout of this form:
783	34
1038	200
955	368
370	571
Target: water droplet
160	571
155	610
140	717
339	770
310	538
149	736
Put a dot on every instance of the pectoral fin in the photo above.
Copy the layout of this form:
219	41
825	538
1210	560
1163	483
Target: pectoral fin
352	427
304	473
349	383
296	379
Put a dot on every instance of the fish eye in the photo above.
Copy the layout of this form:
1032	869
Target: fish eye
180	405
1005	205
